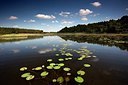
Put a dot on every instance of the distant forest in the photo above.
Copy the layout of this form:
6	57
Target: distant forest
111	26
5	30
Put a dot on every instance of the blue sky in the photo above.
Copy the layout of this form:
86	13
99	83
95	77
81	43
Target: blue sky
53	15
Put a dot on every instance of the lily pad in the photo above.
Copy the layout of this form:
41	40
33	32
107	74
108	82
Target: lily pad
60	79
23	68
61	59
38	68
52	64
61	64
56	67
79	79
80	72
49	67
49	60
87	65
57	54
45	73
30	77
25	75
66	69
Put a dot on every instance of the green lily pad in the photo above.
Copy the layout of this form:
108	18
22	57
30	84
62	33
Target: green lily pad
66	69
38	68
56	67
61	64
80	59
23	68
25	75
49	67
45	73
79	79
60	79
80	72
57	54
49	60
52	64
87	65
61	59
30	77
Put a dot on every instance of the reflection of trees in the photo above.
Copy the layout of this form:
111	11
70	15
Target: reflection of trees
20	39
118	41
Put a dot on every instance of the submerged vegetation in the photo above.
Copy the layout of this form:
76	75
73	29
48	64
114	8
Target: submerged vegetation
56	71
111	26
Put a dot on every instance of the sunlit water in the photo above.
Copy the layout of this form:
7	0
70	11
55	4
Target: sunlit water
109	67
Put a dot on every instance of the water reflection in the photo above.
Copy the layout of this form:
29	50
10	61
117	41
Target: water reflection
118	41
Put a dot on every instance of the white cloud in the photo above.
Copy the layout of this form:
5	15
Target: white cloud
55	21
96	4
31	20
85	12
67	22
43	16
64	14
15	26
94	15
84	18
13	17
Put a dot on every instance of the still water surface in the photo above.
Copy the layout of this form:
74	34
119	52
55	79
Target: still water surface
109	67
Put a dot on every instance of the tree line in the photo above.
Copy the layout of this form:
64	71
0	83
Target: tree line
111	26
8	30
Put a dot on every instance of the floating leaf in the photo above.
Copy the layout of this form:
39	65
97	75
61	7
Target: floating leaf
60	79
23	68
25	75
52	64
80	72
56	67
87	65
79	79
49	67
49	60
61	64
45	73
66	69
30	77
38	68
57	54
61	59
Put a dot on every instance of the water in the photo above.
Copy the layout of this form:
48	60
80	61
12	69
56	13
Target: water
110	67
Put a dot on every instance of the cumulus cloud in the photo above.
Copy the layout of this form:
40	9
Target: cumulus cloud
67	22
56	21
84	18
96	4
43	16
13	17
64	14
85	12
15	26
31	20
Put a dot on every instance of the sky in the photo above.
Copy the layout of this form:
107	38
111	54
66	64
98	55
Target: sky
53	15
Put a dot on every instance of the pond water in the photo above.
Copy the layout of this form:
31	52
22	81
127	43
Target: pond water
109	63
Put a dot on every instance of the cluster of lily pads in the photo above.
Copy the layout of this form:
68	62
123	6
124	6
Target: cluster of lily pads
53	67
